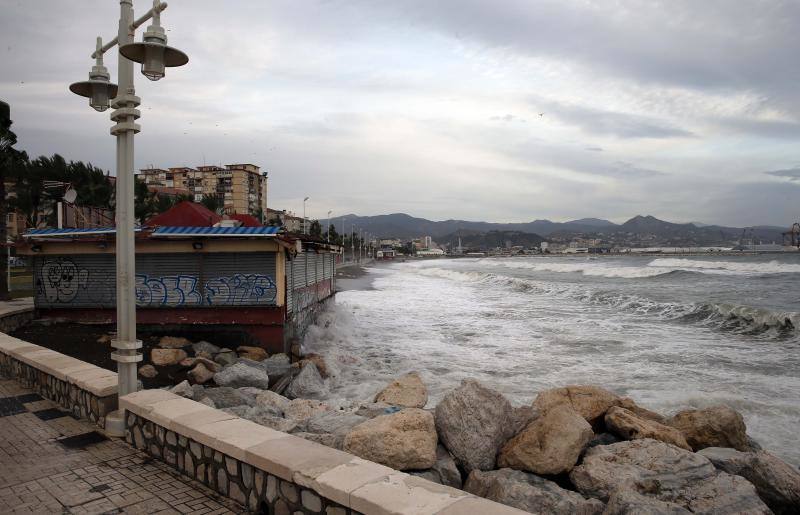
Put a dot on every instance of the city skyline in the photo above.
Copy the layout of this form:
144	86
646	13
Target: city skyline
457	110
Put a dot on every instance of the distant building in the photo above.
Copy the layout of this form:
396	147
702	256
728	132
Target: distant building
285	219
426	242
239	188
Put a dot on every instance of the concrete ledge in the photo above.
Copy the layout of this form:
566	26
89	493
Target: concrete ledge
300	465
84	389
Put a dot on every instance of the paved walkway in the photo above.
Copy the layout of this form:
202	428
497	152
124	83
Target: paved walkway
52	463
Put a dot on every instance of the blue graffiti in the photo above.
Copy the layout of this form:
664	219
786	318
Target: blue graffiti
182	290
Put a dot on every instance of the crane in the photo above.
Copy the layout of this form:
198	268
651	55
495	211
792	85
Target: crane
794	235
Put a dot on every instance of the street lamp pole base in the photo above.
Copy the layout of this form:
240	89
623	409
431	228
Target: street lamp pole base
115	424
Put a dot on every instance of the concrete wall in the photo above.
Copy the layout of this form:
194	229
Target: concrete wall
280	473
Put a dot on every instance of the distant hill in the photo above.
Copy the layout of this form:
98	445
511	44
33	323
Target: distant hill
639	230
491	239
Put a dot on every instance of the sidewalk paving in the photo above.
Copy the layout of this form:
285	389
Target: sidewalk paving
53	463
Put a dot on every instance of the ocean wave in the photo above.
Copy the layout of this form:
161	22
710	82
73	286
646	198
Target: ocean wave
742	267
591	267
734	317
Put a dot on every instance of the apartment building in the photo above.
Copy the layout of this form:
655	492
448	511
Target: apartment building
239	188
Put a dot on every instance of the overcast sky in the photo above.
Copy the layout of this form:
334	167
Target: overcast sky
506	110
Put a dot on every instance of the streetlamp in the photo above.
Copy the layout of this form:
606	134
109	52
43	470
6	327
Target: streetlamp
155	55
305	228
329	226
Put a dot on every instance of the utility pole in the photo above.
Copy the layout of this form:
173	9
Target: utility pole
329	226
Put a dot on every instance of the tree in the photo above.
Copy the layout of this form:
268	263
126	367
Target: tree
332	235
10	161
315	229
211	202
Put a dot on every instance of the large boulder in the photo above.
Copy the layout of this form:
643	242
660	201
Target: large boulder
303	409
777	483
630	405
226	357
166	357
590	402
718	426
205	347
472	421
629	426
173	342
271	399
239	374
551	444
254	353
666	473
445	467
529	492
308	384
405	440
226	397
277	365
209	364
408	391
184	389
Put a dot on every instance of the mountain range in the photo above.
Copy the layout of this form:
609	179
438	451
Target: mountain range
639	228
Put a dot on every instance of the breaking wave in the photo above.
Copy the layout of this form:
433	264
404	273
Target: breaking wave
771	267
733	317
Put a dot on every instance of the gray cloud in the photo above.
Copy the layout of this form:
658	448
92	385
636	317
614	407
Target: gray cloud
622	125
793	174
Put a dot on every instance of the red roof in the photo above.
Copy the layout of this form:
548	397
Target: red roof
247	220
185	214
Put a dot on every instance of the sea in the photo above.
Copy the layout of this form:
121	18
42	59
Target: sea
670	332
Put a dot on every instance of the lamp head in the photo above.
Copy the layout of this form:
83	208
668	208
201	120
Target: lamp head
153	52
98	89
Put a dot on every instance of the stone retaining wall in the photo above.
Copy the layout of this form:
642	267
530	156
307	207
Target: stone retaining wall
86	390
278	473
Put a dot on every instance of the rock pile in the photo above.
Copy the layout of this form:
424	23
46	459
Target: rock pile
576	449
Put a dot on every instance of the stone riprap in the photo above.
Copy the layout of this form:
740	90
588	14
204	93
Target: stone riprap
280	473
85	390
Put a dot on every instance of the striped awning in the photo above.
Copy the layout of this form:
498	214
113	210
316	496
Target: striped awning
71	232
174	232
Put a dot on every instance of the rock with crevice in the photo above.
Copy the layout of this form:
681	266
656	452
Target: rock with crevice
376	409
166	357
319	362
270	418
551	444
472	421
529	492
239	374
184	389
405	440
630	405
308	384
777	483
590	402
209	364
629	426
408	391
717	426
277	365
666	473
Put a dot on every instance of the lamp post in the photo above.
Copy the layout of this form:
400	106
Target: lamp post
352	243
305	227
155	55
329	226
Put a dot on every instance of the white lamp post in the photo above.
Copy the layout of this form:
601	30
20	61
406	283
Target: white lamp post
329	226
155	55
